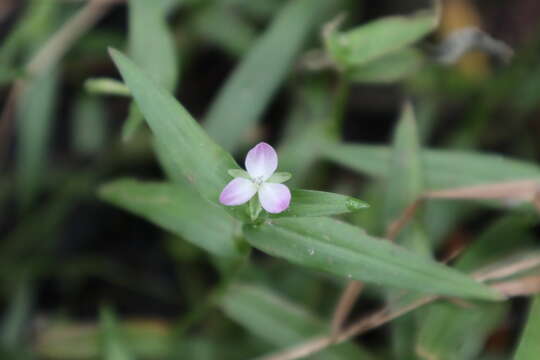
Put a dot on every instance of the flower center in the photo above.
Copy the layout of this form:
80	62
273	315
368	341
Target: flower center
258	181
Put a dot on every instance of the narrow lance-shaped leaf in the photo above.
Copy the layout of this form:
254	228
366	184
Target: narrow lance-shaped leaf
319	203
405	181
112	345
177	209
378	38
455	333
404	186
529	346
34	117
33	26
249	89
389	68
228	29
451	332
17	314
344	250
279	321
151	46
89	125
204	164
442	168
306	129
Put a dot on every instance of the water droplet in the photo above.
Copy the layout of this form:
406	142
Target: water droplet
354	204
311	251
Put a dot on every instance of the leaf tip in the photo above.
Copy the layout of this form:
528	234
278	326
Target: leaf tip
354	204
112	52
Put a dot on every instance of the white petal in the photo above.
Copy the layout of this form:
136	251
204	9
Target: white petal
274	198
237	192
261	161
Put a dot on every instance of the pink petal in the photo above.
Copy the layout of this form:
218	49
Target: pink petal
261	161
274	198
237	192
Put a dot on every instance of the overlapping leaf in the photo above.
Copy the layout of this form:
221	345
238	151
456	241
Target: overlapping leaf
443	168
188	147
319	203
279	321
529	346
344	250
151	47
451	332
177	209
249	89
376	39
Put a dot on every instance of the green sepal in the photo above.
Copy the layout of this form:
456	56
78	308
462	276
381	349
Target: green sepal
280	177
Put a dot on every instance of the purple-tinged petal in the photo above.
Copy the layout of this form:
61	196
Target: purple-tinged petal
261	161
237	192
274	198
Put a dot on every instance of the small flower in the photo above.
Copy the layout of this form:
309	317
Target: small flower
261	163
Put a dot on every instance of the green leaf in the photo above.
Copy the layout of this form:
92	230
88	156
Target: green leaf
133	122
177	209
454	333
113	346
279	321
406	181
216	23
151	47
319	203
32	28
529	346
280	177
17	314
89	125
34	125
151	44
188	147
450	332
344	250
393	67
442	168
307	129
239	173
482	251
378	38
247	92
106	86
404	185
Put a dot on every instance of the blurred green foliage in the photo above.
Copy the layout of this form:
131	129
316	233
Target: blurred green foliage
190	278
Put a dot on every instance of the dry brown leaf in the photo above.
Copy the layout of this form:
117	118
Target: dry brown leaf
519	287
345	304
518	191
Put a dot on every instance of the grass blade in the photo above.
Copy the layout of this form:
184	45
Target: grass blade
529	346
34	119
443	168
177	209
249	89
151	46
203	163
279	321
113	348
